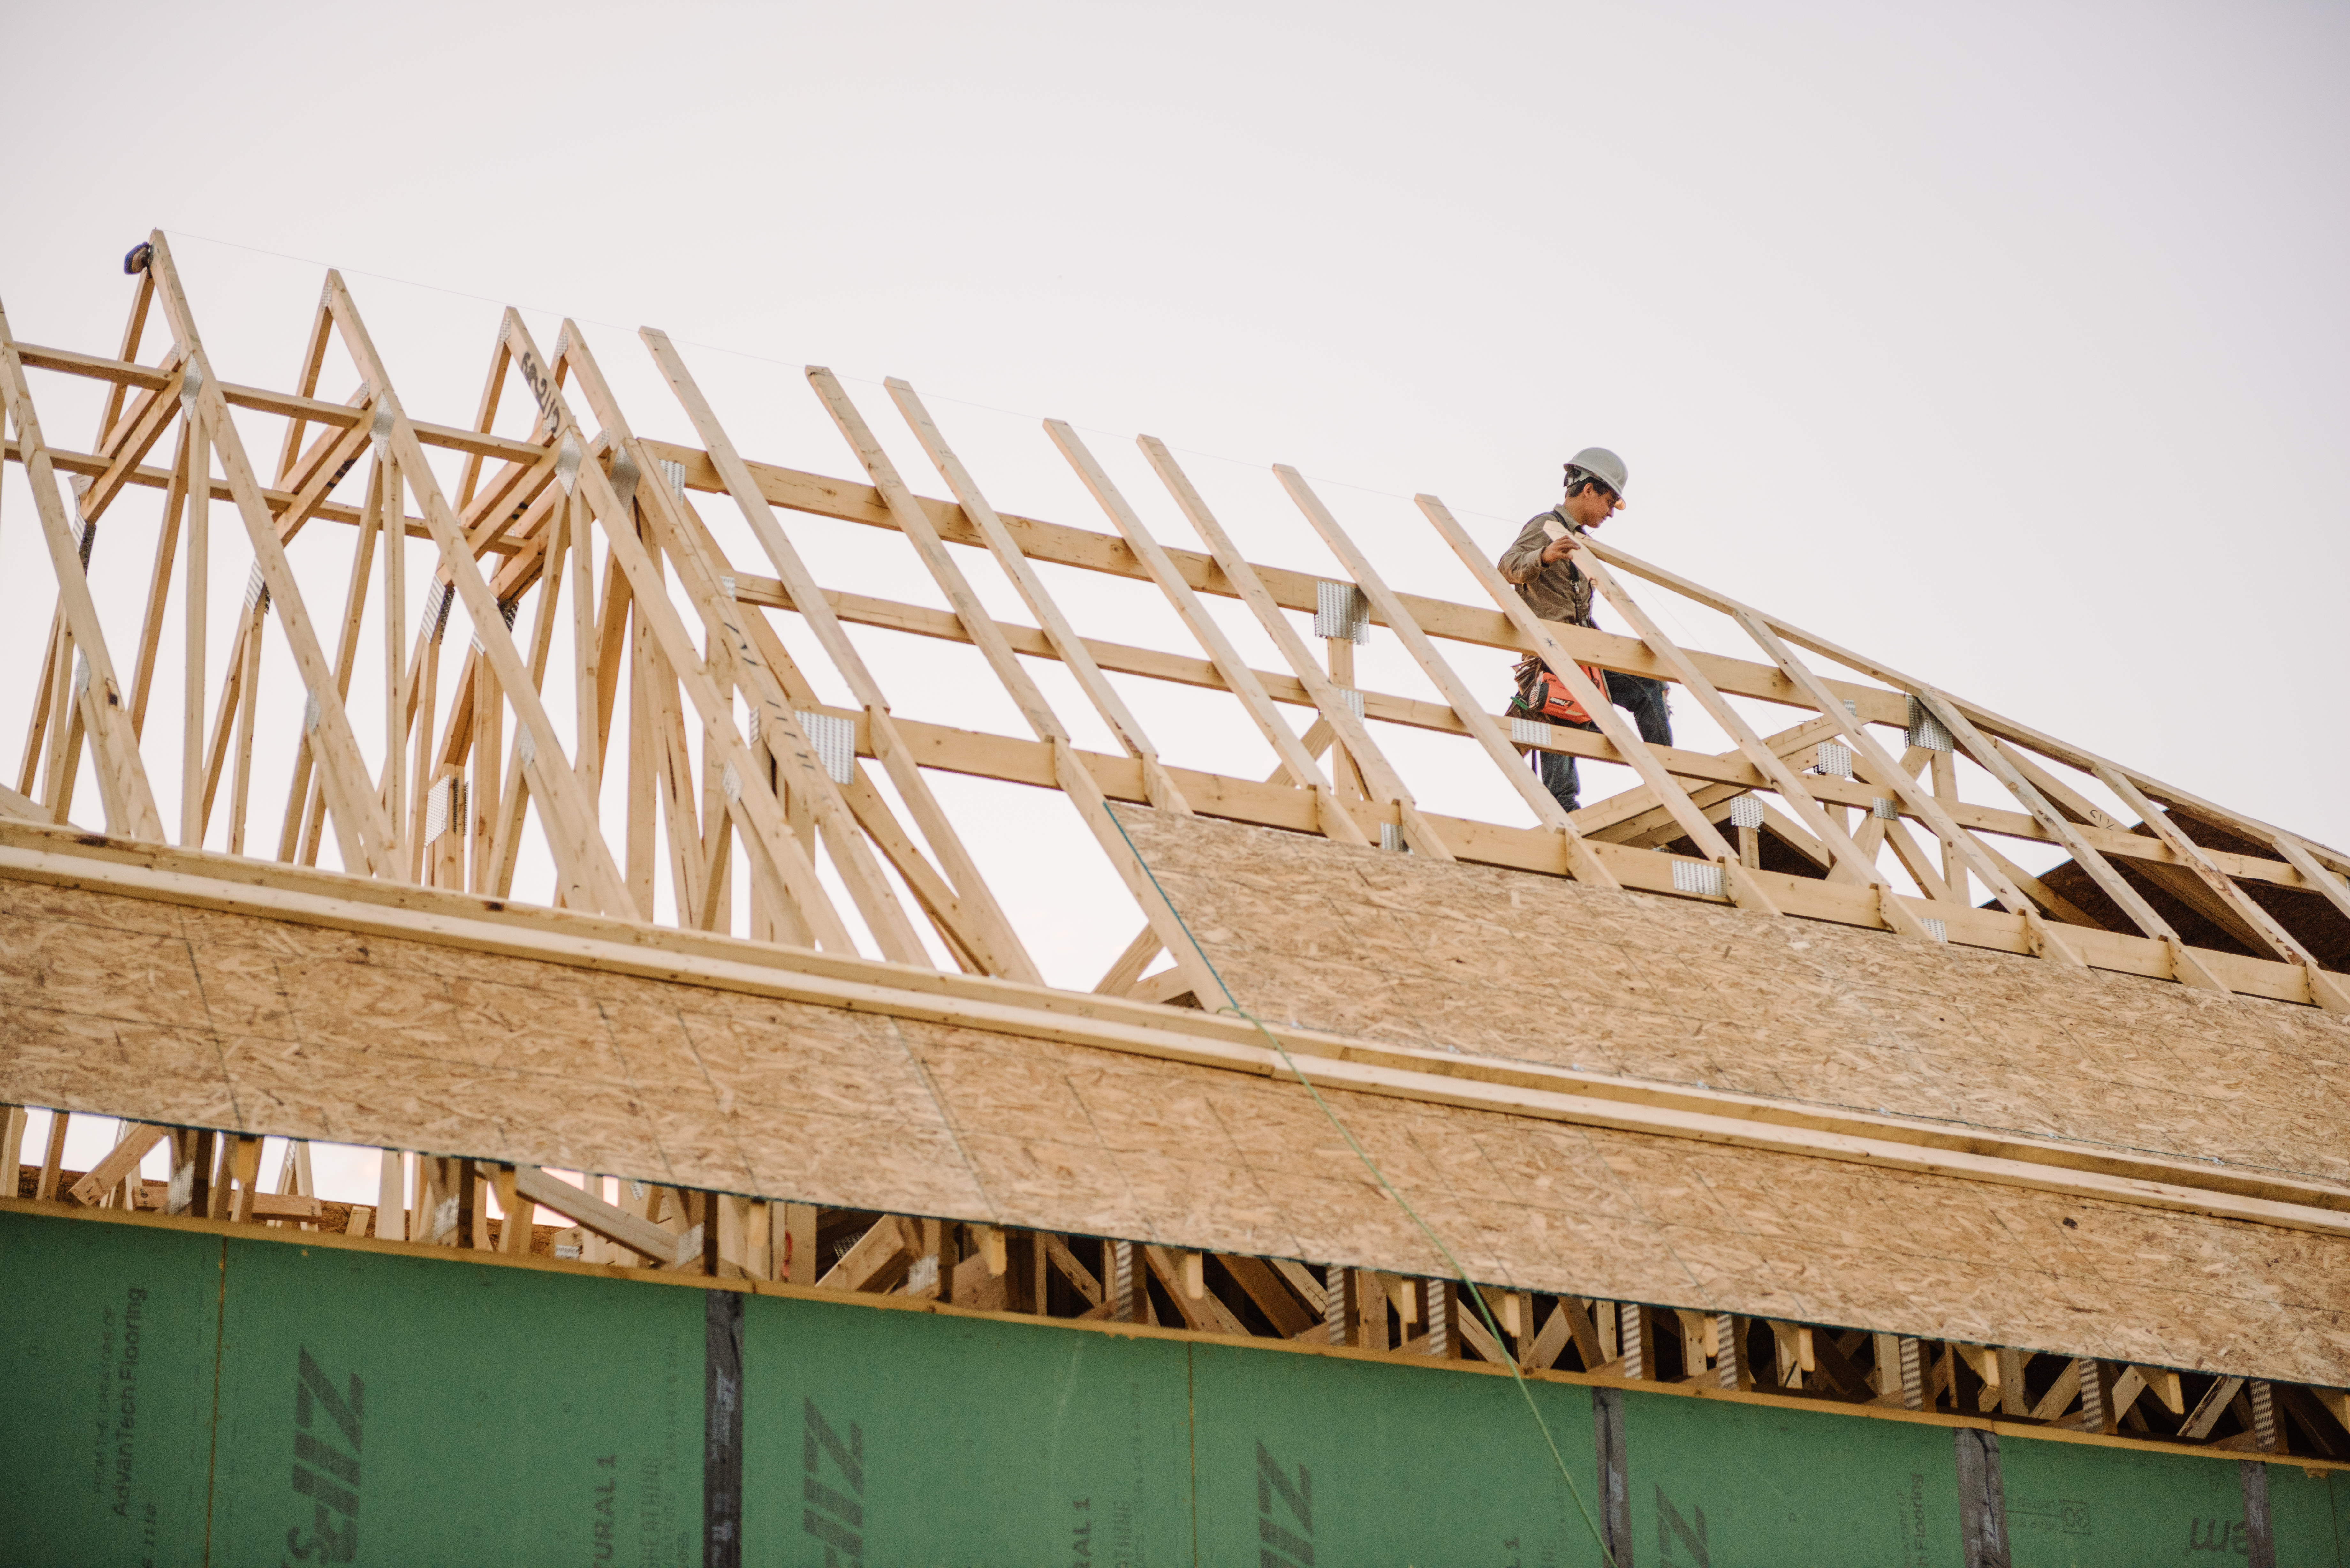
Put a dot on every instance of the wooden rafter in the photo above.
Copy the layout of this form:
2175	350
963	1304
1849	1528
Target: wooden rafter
760	805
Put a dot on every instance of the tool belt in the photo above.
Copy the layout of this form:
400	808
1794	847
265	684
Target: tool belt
1543	695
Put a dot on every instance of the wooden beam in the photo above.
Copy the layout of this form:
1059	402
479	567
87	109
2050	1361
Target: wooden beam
2318	878
2180	881
2327	991
128	445
1883	770
1096	552
1076	782
365	837
1001	947
776	848
299	791
1991	723
1088	550
878	1260
99	698
1830	831
1273	1298
589	877
2190	969
532	1185
1234	669
292	406
119	1163
1065	643
1028	761
1334	698
159	588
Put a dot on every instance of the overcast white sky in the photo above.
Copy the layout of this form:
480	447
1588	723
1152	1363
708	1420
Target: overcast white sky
2007	343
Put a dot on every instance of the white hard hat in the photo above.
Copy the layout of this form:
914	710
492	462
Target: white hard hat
1602	466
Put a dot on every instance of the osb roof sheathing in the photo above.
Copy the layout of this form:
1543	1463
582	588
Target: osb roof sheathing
125	1006
1491	961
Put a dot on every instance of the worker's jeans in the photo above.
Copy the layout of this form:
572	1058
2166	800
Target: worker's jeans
1637	695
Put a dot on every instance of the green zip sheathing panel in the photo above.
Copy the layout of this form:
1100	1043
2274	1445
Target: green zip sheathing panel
183	1397
908	1438
2072	1505
464	1415
1309	1458
111	1340
1713	1481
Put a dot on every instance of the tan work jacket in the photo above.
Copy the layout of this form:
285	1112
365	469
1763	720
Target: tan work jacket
1556	592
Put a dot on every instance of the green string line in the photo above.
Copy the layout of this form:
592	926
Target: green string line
1476	1296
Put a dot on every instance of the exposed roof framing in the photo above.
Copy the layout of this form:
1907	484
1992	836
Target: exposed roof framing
715	741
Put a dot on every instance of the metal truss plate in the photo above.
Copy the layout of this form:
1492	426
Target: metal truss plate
1341	611
625	474
1926	731
507	608
1746	811
835	740
444	807
1697	877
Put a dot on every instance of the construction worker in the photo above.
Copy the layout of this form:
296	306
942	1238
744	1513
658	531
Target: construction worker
1555	589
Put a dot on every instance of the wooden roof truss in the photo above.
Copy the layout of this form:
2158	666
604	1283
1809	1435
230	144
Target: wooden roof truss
716	735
